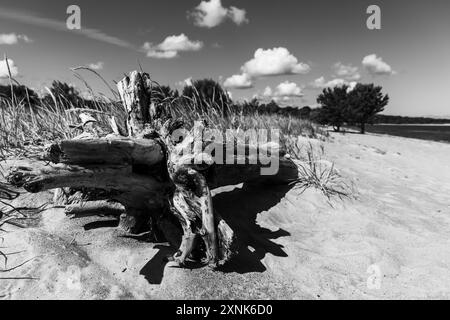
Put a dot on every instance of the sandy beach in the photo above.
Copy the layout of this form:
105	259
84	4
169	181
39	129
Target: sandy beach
390	240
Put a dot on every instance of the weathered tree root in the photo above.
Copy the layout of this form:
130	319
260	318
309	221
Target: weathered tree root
151	176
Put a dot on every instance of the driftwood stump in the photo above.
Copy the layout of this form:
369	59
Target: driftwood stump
152	177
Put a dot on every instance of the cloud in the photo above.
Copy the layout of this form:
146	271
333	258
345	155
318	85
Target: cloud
13	38
272	62
171	46
376	66
288	89
4	74
210	14
56	25
97	66
180	43
186	82
351	86
239	81
238	16
347	72
321	83
318	83
267	92
152	52
284	91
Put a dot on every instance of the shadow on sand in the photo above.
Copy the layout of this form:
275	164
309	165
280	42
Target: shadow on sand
239	208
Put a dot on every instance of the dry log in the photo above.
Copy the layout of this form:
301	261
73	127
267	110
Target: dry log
106	151
90	208
243	168
135	92
103	177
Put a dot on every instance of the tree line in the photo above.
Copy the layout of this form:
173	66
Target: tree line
338	106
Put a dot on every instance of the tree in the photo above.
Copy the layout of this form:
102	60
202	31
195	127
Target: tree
334	102
21	94
207	94
272	107
67	94
364	102
305	112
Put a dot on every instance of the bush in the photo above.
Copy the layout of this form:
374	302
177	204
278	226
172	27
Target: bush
207	94
20	93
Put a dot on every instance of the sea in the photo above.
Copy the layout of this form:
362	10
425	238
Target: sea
439	133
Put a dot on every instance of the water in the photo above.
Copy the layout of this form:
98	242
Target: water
424	132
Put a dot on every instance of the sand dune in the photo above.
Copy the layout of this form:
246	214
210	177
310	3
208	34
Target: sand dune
390	240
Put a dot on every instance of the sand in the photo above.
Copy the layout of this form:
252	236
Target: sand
390	240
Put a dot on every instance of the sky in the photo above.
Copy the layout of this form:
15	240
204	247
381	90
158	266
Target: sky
282	50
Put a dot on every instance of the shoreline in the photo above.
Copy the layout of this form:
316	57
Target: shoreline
436	133
379	134
412	124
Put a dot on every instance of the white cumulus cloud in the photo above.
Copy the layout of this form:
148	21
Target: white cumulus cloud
210	14
351	86
13	38
272	62
4	68
376	66
185	83
347	72
284	91
171	46
237	15
239	81
321	83
267	92
97	65
288	89
180	43
188	82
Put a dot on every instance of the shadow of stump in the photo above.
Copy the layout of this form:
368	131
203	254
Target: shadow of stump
239	208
